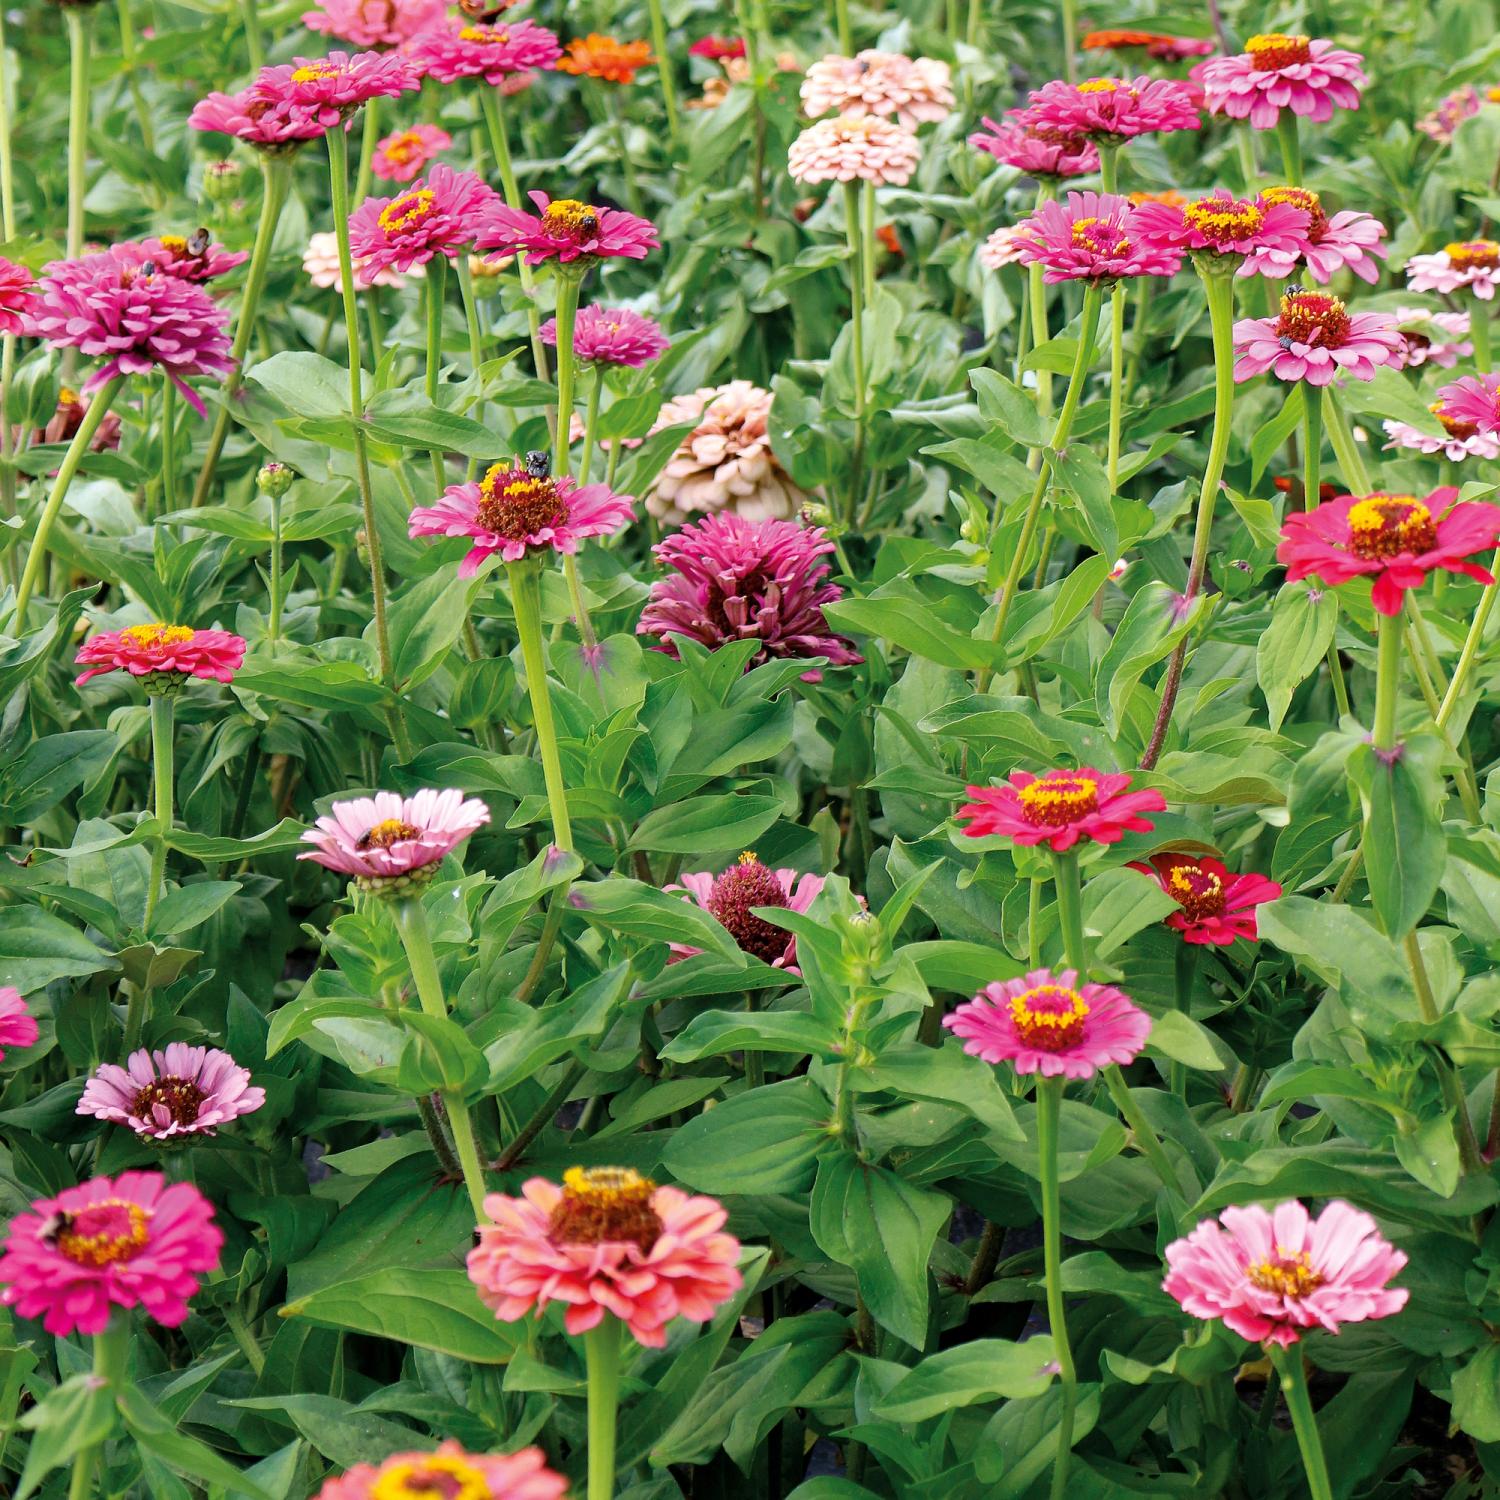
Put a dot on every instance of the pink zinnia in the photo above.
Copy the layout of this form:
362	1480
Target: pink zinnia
387	837
1268	1274
177	1092
1002	247
450	1471
1309	76
321	262
494	52
165	655
403	154
717	48
1452	110
375	23
1314	338
329	89
612	336
854	148
730	898
1051	1024
1474	264
1214	906
605	1242
193	257
269	122
1396	540
18	295
1473	399
1271	238
131	1242
511	512
1117	108
1060	808
1460	438
1347	239
438	215
1091	237
1433	338
915	91
737	580
1036	151
567	230
136	322
18	1026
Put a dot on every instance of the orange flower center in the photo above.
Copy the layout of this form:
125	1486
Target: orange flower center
385	833
1307	201
1170	197
1473	255
491	36
155	637
1274	49
315	73
1222	221
740	888
1049	1018
1313	318
1199	892
1385	526
1099	237
105	1232
516	505
605	1205
407	210
181	1097
1288	1273
1057	800
430	1476
405	146
1455	427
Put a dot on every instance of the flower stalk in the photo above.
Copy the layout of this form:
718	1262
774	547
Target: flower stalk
162	725
1049	1093
526	598
1288	1364
857	344
602	1355
76	17
111	1358
664	68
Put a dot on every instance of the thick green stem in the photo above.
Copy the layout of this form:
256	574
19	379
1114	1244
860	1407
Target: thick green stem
567	314
1116	381
1037	295
857	343
1387	681
253	44
590	427
1479	332
867	240
1185	970
1312	478
526	598
1140	1127
1067	882
369	136
435	281
161	776
664	68
76	17
133	76
1049	1093
1448	1076
545	1112
846	35
273	625
168	443
1288	1363
471	313
1140	323
1069	38
111	1358
1470	651
1291	147
602	1354
1351	465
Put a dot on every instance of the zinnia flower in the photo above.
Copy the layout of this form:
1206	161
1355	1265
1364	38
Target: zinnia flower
1091	237
495	52
163	1095
329	89
1060	808
738	580
1315	338
730	898
725	462
267	121
1002	247
1155	44
1268	1274
450	1474
193	257
18	1026
403	154
607	1241
512	511
1452	110
1036	151
605	58
1347	239
717	48
18	295
1051	1024
612	336
437	215
131	1242
1470	263
1432	338
567	230
1473	399
915	90
375	23
68	418
1215	906
321	262
165	656
1460	439
1396	540
388	842
854	148
1118	108
1270	237
137	322
1309	76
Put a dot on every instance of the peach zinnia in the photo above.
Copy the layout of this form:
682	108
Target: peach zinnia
1060	808
854	148
163	656
915	91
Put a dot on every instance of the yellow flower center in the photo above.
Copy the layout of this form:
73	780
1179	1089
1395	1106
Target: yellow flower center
156	636
409	209
405	146
1222	221
490	36
1057	800
105	1232
432	1476
315	73
1307	201
1099	237
570	217
517	505
385	833
602	1205
1472	255
1199	892
1384	526
1288	1273
175	243
1049	1017
1274	49
1098	86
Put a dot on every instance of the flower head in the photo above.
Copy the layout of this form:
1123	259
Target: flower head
1051	1024
450	1474
1153	43
1461	437
375	23
403	154
1038	151
437	215
512	511
1347	239
496	51
1002	247
1091	237
914	91
1474	264
718	48
163	656
18	295
612	336
132	1242
731	897
1060	808
1113	108
388	842
321	262
1309	76
1451	111
605	58
1473	400
1314	338
68	418
1269	237
605	1241
1213	905
18	1026
1395	540
193	257
265	119
1268	1274
329	89
1433	338
567	230
854	148
169	1094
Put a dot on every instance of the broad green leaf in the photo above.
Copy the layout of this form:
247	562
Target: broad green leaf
983	1370
1302	623
764	1141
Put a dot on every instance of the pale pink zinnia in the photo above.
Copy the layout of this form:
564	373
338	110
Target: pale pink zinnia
854	148
165	655
321	262
403	154
375	23
1451	111
1314	338
1349	238
605	1242
437	215
1051	1024
1270	1274
388	837
449	1474
1036	151
1474	264
18	1027
171	1093
915	91
496	52
1458	440
1433	338
1270	238
1113	108
612	336
1309	76
566	230
18	295
731	897
1002	247
1092	237
135	1241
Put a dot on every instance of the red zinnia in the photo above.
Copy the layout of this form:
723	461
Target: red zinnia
1060	808
1216	907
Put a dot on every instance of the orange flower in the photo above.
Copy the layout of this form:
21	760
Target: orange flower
602	57
1170	197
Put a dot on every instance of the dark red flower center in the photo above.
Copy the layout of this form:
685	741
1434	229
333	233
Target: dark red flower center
602	1205
1307	201
1099	237
385	833
1050	1018
1057	799
740	888
516	505
1288	1273
180	1097
1199	892
1455	427
1313	318
111	1230
1473	255
1274	49
1224	221
1385	526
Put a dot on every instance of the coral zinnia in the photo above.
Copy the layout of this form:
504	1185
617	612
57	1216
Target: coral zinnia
1091	237
375	23
496	52
1036	151
1155	44
437	215
1051	1024
1268	1274
1309	76
915	91
1214	906
1269	237
18	1027
1002	247
1314	338
164	655
386	839
1468	263
605	1242
1118	108
605	58
403	154
612	336
449	1474
854	148
131	1242
1433	338
567	230
177	1092
18	295
1396	540
1060	808
730	898
1347	239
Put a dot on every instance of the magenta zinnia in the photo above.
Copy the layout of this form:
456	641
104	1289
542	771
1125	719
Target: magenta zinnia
1036	151
1347	239
1117	109
1269	237
612	336
494	51
1474	400
375	23
160	653
18	1027
1091	237
1314	338
18	295
193	257
731	897
172	1093
1213	905
566	230
1307	75
438	215
1060	808
449	1474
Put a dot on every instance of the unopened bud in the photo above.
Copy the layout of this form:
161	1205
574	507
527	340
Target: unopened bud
221	180
275	479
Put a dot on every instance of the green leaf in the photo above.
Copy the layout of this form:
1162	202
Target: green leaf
210	850
1155	621
907	621
983	1370
764	1141
49	769
712	1033
1272	434
729	821
424	621
1405	847
1119	903
159	1436
1176	1035
1080	473
36	948
340	1432
947	1074
71	1417
1009	407
1476	1396
1292	647
633	909
306	384
964	968
189	906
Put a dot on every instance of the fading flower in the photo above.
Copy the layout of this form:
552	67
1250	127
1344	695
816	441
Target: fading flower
1309	76
163	656
730	898
404	154
1060	807
388	842
68	418
612	336
1314	338
854	148
1213	905
449	1474
915	91
1474	264
172	1093
437	215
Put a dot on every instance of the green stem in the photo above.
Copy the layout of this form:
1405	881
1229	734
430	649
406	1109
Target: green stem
664	68
1288	1363
1037	287
857	343
590	426
1049	1093
471	314
1067	882
273	625
544	1113
1138	332
567	314
1351	465
867	239
411	920
7	155
617	119
111	1357
1185	969
1145	1137
602	1353
1291	147
161	775
1116	381
435	280
1312	478
846	35
526	598
240	1332
253	45
78	123
168	444
1387	681
132	75
369	136
1448	1077
1470	651
1479	332
1069	38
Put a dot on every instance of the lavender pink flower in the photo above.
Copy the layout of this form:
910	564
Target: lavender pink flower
1433	338
612	336
1117	108
1459	439
1091	237
1451	111
375	23
1474	399
1314	338
567	230
1311	77
437	215
329	89
495	52
387	838
915	91
172	1093
1474	264
854	148
1002	247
